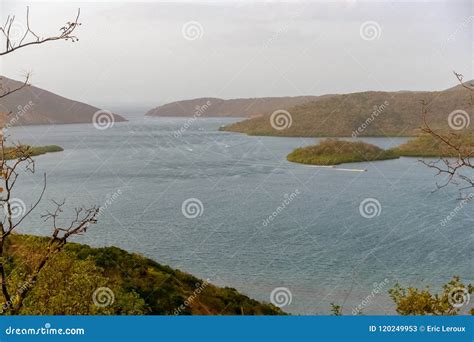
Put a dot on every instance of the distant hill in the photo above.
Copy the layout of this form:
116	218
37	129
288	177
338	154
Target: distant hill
370	113
215	107
35	106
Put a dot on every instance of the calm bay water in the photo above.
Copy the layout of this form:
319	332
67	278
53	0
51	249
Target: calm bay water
318	246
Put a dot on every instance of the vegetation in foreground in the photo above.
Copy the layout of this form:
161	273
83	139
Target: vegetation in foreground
452	300
29	151
412	301
81	280
74	282
333	152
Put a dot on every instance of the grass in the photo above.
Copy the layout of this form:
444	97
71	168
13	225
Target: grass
31	151
334	152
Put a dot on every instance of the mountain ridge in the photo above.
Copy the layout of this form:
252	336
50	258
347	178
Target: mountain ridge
369	113
35	106
217	107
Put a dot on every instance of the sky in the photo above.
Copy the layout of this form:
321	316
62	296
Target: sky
145	54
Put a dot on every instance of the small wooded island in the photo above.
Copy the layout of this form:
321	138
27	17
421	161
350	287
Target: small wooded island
334	151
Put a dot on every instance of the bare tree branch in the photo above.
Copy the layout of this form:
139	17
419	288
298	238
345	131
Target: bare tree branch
458	154
30	37
16	156
5	91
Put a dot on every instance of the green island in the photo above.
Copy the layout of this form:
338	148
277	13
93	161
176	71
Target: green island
29	151
334	151
427	146
133	285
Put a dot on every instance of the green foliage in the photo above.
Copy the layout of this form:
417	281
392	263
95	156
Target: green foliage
336	309
66	287
139	285
413	301
427	146
333	152
30	151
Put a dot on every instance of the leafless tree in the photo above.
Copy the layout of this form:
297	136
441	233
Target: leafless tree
16	159
458	154
29	37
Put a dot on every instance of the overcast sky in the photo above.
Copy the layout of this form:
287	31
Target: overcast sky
153	52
